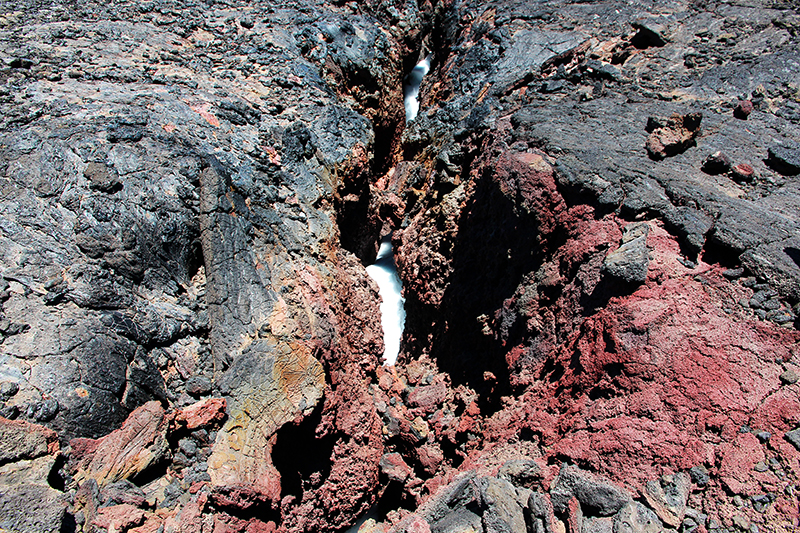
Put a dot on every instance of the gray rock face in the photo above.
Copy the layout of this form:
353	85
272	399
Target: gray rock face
503	512
630	261
596	495
785	159
793	436
668	495
636	518
31	509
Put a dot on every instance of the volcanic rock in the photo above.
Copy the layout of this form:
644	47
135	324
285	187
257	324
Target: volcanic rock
785	159
140	443
717	163
23	440
596	495
630	261
667	496
636	518
190	193
673	135
743	109
203	413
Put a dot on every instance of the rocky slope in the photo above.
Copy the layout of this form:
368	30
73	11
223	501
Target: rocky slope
595	216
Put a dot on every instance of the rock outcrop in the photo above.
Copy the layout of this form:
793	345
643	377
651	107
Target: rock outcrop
594	216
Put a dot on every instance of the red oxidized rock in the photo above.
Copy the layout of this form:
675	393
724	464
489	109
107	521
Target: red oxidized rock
418	525
743	109
119	517
203	413
23	440
742	172
672	135
430	457
139	443
428	397
395	468
737	462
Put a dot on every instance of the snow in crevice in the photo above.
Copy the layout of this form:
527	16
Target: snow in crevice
393	314
411	88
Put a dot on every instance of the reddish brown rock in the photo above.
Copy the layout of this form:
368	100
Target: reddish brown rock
120	518
743	109
428	397
742	172
737	464
203	413
23	440
395	468
123	453
430	457
672	135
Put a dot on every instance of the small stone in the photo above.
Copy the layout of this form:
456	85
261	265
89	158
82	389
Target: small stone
630	262
198	386
636	518
395	468
521	472
102	178
203	413
592	491
761	466
188	447
743	109
793	437
741	522
673	135
764	436
699	475
667	496
43	411
761	502
782	317
789	377
733	273
784	160
10	412
743	172
717	163
247	23
8	389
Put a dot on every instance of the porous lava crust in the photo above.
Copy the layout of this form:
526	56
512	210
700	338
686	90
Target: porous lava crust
594	216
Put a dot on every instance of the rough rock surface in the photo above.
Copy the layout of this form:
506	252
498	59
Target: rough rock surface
595	219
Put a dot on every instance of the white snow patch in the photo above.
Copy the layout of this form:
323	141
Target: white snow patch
411	88
393	314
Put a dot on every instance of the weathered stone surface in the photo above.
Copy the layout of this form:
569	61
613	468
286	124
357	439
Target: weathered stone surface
673	135
785	159
188	194
29	454
140	443
203	413
793	436
630	261
31	508
667	497
503	512
395	468
636	518
119	517
596	495
23	440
